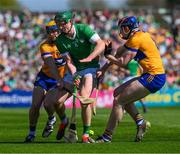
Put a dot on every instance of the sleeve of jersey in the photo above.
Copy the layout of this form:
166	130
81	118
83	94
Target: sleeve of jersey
91	35
45	52
132	45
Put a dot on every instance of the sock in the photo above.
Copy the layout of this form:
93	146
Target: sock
107	135
72	126
50	117
51	120
139	119
32	130
86	129
85	135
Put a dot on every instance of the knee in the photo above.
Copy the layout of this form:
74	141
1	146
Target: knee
119	100
116	101
59	104
47	103
115	93
36	106
83	106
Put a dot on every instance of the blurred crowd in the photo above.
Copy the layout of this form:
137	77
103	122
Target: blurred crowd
22	32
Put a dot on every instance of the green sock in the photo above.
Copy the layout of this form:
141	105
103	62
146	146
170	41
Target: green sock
86	129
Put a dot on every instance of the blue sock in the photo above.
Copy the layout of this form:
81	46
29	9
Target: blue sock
107	136
139	119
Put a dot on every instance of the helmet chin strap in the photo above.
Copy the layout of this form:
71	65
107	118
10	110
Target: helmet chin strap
132	31
128	34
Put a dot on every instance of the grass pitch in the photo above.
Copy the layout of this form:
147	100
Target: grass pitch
163	137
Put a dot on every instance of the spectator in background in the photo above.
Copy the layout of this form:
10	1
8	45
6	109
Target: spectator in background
20	34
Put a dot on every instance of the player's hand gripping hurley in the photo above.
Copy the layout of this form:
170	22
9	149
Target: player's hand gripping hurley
82	99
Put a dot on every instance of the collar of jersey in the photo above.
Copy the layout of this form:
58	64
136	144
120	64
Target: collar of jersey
72	38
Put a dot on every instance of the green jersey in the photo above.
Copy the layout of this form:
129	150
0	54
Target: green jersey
133	67
80	46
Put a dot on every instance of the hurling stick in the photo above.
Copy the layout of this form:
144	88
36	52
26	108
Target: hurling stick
94	104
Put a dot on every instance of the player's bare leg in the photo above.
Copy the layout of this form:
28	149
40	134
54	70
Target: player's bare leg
37	99
86	113
54	101
133	112
141	123
132	91
54	97
143	105
60	110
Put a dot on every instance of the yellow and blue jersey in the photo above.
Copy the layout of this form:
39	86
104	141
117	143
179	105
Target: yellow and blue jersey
47	50
148	55
44	78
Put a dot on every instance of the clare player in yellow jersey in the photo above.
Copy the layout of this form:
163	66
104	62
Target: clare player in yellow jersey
140	47
49	77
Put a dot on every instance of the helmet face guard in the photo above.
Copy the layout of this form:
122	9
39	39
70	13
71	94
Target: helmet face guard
52	31
63	17
124	34
51	26
127	22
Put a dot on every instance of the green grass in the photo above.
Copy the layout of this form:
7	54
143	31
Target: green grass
163	137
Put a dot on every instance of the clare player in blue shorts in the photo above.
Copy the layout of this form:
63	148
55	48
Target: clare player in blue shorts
50	76
140	47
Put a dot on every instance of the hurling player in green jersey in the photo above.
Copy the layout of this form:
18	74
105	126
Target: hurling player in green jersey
79	41
76	42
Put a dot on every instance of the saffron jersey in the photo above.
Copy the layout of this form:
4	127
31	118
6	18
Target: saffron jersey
148	55
50	50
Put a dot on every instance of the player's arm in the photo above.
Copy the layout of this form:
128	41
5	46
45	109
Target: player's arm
70	64
48	59
122	57
50	62
100	72
99	48
108	53
125	53
93	38
72	69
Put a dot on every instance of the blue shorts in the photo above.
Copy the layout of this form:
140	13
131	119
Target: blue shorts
152	82
45	82
86	72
